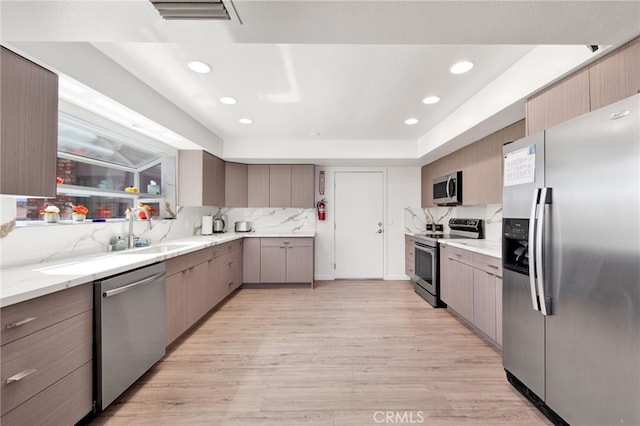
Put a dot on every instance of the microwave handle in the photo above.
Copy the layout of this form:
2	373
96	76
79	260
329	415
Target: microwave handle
449	181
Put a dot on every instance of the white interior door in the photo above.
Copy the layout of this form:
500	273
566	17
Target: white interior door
359	237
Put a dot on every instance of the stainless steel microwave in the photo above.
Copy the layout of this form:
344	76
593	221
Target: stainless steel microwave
447	190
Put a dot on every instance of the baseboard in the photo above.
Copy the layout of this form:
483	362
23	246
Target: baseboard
324	278
397	278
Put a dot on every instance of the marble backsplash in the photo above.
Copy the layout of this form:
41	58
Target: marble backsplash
416	219
37	243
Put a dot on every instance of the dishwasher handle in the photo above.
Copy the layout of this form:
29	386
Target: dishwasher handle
128	287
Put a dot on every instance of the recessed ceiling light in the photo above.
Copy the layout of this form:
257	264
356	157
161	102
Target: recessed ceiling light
411	121
314	134
461	67
199	67
227	100
429	100
246	121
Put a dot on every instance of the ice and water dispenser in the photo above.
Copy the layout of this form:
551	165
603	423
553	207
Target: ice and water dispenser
515	245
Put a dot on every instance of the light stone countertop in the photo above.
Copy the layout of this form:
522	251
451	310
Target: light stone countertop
25	282
487	247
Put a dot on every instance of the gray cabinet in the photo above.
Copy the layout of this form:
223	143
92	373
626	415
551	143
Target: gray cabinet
198	281
302	186
616	76
471	285
409	256
236	185
201	179
279	185
286	260
258	185
46	357
561	102
29	127
456	277
610	79
481	165
251	261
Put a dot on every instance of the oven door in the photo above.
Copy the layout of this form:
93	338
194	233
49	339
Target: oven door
426	268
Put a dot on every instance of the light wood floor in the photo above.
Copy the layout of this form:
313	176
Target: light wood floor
334	355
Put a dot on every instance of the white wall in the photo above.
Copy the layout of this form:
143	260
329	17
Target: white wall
402	189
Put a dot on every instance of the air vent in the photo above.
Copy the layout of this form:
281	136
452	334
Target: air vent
191	9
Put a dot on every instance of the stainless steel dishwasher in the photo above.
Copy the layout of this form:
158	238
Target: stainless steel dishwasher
130	329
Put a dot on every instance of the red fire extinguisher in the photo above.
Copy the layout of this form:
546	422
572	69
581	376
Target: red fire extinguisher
322	209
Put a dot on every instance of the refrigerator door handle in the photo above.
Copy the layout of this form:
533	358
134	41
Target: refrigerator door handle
539	251
532	249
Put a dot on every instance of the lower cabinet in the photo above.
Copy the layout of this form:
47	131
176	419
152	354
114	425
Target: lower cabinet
456	280
278	260
197	282
46	356
409	256
471	285
286	260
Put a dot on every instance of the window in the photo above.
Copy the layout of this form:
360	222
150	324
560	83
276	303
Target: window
95	166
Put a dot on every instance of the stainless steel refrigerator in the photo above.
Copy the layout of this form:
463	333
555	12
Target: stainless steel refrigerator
571	257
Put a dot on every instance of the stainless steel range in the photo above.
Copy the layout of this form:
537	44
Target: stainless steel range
427	272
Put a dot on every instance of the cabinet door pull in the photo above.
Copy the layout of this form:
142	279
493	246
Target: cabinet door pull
493	266
21	375
19	323
230	263
457	254
230	284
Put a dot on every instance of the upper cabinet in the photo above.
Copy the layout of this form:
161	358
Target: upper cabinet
482	174
481	165
201	179
567	99
29	122
302	185
281	185
616	76
236	185
258	185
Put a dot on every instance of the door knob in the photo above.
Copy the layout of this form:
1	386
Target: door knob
379	231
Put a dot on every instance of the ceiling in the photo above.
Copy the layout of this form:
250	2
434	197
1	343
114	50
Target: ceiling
332	74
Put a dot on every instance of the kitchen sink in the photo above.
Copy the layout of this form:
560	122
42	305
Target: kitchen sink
114	260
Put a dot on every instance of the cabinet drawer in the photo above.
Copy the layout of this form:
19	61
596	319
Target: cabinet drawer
227	248
27	317
43	358
186	261
461	255
287	242
410	251
489	264
64	403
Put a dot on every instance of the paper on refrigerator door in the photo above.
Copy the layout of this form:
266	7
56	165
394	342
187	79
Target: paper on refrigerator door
520	166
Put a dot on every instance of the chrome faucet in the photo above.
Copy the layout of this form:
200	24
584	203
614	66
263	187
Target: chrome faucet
135	210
